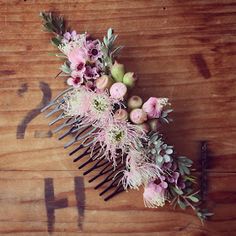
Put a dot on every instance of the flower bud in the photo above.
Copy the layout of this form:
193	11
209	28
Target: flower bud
145	127
117	71
138	116
103	82
121	115
135	102
129	79
153	124
118	90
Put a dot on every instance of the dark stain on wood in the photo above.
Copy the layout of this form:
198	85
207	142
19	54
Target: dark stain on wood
23	89
7	72
51	203
42	134
201	64
21	128
80	199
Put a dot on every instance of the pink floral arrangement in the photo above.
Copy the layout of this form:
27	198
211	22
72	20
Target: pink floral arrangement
125	128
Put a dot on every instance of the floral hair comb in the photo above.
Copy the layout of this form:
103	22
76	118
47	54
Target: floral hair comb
114	133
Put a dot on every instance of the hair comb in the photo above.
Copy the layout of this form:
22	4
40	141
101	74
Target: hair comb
115	136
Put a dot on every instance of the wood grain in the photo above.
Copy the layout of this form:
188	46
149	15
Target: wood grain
184	50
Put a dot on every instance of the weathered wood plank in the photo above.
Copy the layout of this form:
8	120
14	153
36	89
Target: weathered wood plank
24	205
185	50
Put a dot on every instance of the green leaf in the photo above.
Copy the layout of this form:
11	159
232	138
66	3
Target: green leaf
116	50
178	191
109	33
193	199
53	23
65	68
181	204
56	41
186	170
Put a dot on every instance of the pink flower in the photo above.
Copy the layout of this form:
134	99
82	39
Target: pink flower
153	106
117	138
75	81
77	55
118	90
78	67
94	49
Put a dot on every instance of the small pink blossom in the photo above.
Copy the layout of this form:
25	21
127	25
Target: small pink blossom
153	106
75	82
94	49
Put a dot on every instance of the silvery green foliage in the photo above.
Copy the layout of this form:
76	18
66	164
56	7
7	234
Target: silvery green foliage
164	116
159	150
184	164
109	50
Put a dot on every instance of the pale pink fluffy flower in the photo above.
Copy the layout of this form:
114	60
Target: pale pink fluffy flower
154	195
117	138
77	55
139	171
77	102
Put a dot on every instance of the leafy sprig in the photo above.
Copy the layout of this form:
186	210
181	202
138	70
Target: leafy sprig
53	23
109	50
203	214
184	165
164	117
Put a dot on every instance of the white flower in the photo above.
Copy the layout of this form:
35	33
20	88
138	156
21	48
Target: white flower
77	41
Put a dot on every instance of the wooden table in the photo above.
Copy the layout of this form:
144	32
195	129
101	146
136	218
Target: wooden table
184	50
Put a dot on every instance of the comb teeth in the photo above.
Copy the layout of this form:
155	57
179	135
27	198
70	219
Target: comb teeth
91	157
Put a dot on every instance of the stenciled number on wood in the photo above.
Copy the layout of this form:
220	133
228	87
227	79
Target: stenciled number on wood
21	128
52	204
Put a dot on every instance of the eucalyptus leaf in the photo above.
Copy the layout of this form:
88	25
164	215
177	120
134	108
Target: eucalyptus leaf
178	191
193	199
181	204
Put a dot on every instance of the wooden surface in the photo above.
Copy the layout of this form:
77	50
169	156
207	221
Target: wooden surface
184	50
